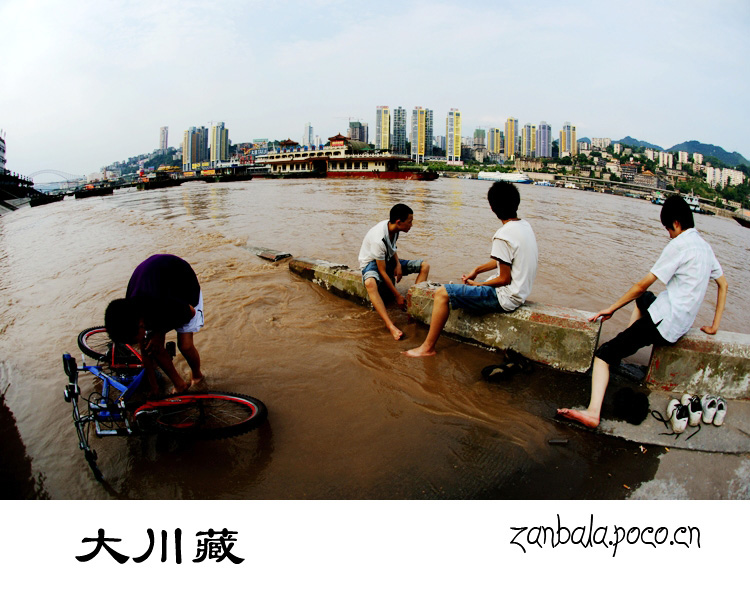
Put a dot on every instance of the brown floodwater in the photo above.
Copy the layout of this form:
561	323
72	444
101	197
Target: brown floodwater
349	416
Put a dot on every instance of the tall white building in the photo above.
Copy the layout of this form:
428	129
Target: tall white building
528	140
163	139
544	140
666	159
399	131
307	135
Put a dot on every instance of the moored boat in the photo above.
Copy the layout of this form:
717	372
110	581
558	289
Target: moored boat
513	177
340	158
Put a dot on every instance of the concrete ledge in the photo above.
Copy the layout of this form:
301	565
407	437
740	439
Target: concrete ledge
560	337
701	364
337	279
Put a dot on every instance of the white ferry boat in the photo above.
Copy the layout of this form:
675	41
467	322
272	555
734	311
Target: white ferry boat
544	183
341	157
516	177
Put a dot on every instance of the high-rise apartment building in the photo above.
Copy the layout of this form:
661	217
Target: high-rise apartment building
495	141
219	143
163	139
666	159
568	143
421	133
307	135
601	143
528	140
511	137
383	128
697	158
194	147
453	136
358	131
398	144
544	140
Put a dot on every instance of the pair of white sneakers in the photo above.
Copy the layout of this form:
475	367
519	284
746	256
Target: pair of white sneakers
692	409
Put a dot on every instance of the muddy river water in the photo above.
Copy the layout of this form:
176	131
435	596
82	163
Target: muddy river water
349	416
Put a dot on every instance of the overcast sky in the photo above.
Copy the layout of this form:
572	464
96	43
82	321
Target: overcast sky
86	83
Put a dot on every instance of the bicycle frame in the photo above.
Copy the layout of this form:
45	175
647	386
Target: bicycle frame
108	417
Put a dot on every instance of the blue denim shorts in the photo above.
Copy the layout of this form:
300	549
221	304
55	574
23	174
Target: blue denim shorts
408	267
475	298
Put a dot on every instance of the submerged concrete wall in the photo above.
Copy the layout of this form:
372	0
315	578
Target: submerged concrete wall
563	338
703	364
337	279
560	337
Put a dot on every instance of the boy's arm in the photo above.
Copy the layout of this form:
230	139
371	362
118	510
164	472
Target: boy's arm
502	279
721	298
634	292
400	300
488	266
397	272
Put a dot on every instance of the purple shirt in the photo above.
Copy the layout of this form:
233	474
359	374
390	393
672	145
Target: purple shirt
167	287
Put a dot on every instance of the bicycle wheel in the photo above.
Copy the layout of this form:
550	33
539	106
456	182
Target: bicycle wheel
210	414
94	342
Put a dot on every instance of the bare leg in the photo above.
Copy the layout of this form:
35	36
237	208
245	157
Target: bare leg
440	311
423	272
371	285
599	381
190	352
160	355
635	315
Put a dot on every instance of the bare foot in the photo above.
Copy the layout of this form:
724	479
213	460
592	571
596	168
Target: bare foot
396	332
198	383
580	416
419	352
179	389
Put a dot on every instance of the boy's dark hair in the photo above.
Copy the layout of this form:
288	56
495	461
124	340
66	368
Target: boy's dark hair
676	209
122	319
400	212
504	200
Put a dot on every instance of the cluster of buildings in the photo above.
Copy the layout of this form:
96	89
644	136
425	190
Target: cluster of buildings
496	143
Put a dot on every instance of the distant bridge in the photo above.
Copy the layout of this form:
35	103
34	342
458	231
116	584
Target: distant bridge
70	180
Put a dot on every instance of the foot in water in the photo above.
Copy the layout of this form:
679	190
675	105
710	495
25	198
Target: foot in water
419	352
181	389
579	416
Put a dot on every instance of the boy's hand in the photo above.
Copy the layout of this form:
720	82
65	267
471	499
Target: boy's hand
603	314
400	301
397	272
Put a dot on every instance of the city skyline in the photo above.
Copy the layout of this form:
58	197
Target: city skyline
95	84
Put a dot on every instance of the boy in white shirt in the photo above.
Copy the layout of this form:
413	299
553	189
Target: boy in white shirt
514	258
685	266
381	265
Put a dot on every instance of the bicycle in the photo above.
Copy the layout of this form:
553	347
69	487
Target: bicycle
117	411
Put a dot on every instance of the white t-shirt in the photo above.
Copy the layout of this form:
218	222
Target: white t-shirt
685	266
377	245
515	243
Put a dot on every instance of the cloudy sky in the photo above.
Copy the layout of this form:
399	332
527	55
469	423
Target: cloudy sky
84	83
